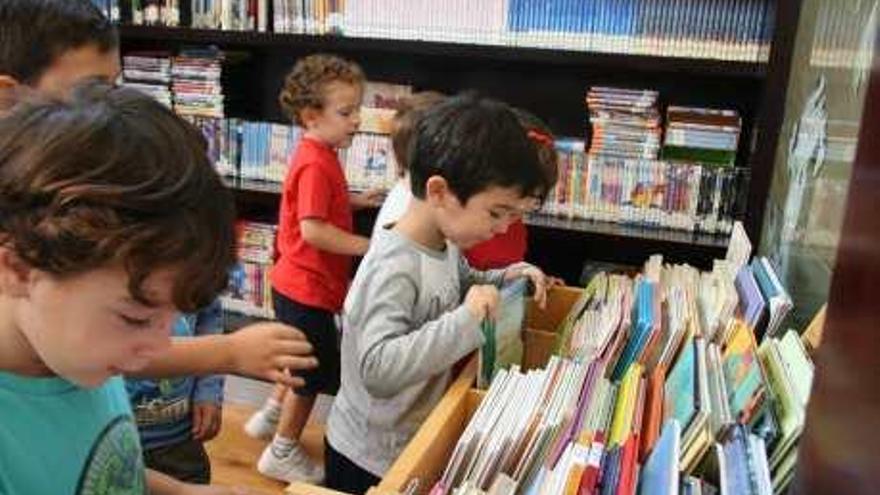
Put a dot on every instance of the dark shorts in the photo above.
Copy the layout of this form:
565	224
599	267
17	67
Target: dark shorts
320	330
344	475
186	461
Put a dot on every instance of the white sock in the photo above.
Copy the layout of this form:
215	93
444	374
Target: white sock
281	446
272	409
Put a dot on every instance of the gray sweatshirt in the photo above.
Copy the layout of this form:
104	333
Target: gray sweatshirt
404	327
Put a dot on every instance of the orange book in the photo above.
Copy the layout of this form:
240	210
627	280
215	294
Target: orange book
653	412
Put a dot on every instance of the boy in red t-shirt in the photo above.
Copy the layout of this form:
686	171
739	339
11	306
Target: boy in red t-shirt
315	245
510	247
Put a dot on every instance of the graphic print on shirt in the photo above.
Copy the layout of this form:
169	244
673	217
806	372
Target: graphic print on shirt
115	465
440	278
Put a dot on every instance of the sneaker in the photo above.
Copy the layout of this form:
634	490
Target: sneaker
261	425
295	466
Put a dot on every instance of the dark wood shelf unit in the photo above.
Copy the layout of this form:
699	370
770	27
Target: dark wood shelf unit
548	82
584	59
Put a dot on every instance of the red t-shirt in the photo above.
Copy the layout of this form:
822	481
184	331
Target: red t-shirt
315	187
501	250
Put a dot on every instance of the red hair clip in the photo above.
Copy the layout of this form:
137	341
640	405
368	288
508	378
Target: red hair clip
540	137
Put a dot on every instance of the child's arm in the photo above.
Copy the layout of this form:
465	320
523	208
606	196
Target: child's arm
261	350
391	354
328	237
207	398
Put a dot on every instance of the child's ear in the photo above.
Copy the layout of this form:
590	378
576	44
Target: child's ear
8	88
436	190
7	82
14	274
309	115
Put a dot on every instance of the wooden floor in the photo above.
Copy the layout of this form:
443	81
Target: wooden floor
234	454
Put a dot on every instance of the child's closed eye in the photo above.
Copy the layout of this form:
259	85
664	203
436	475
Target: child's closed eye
135	322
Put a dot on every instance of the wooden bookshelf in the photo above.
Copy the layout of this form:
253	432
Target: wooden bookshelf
548	82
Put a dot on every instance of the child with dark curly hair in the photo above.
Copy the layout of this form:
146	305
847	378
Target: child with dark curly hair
97	260
315	245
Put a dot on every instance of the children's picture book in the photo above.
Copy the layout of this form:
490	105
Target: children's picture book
504	345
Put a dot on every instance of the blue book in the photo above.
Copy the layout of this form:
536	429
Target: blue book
736	462
680	400
611	471
643	322
660	474
752	303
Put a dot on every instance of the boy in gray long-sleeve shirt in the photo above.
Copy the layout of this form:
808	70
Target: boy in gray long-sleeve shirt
473	172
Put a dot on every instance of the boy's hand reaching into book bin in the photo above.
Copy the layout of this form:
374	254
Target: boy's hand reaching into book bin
538	278
482	301
266	350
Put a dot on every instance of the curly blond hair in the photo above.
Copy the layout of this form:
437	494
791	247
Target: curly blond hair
305	84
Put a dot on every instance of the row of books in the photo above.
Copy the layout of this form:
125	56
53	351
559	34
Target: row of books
250	291
261	151
639	399
110	8
648	193
189	82
721	29
150	73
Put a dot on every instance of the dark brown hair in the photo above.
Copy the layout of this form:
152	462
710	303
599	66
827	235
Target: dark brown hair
542	139
474	143
111	176
36	32
305	84
408	112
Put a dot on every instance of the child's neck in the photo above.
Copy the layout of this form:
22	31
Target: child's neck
16	353
316	137
418	225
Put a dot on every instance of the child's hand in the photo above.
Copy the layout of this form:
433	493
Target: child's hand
540	280
266	350
482	301
372	198
207	418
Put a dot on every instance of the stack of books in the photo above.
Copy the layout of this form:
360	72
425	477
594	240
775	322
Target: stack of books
625	123
701	135
195	82
150	73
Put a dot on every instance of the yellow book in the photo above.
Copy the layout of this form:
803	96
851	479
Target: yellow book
621	426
